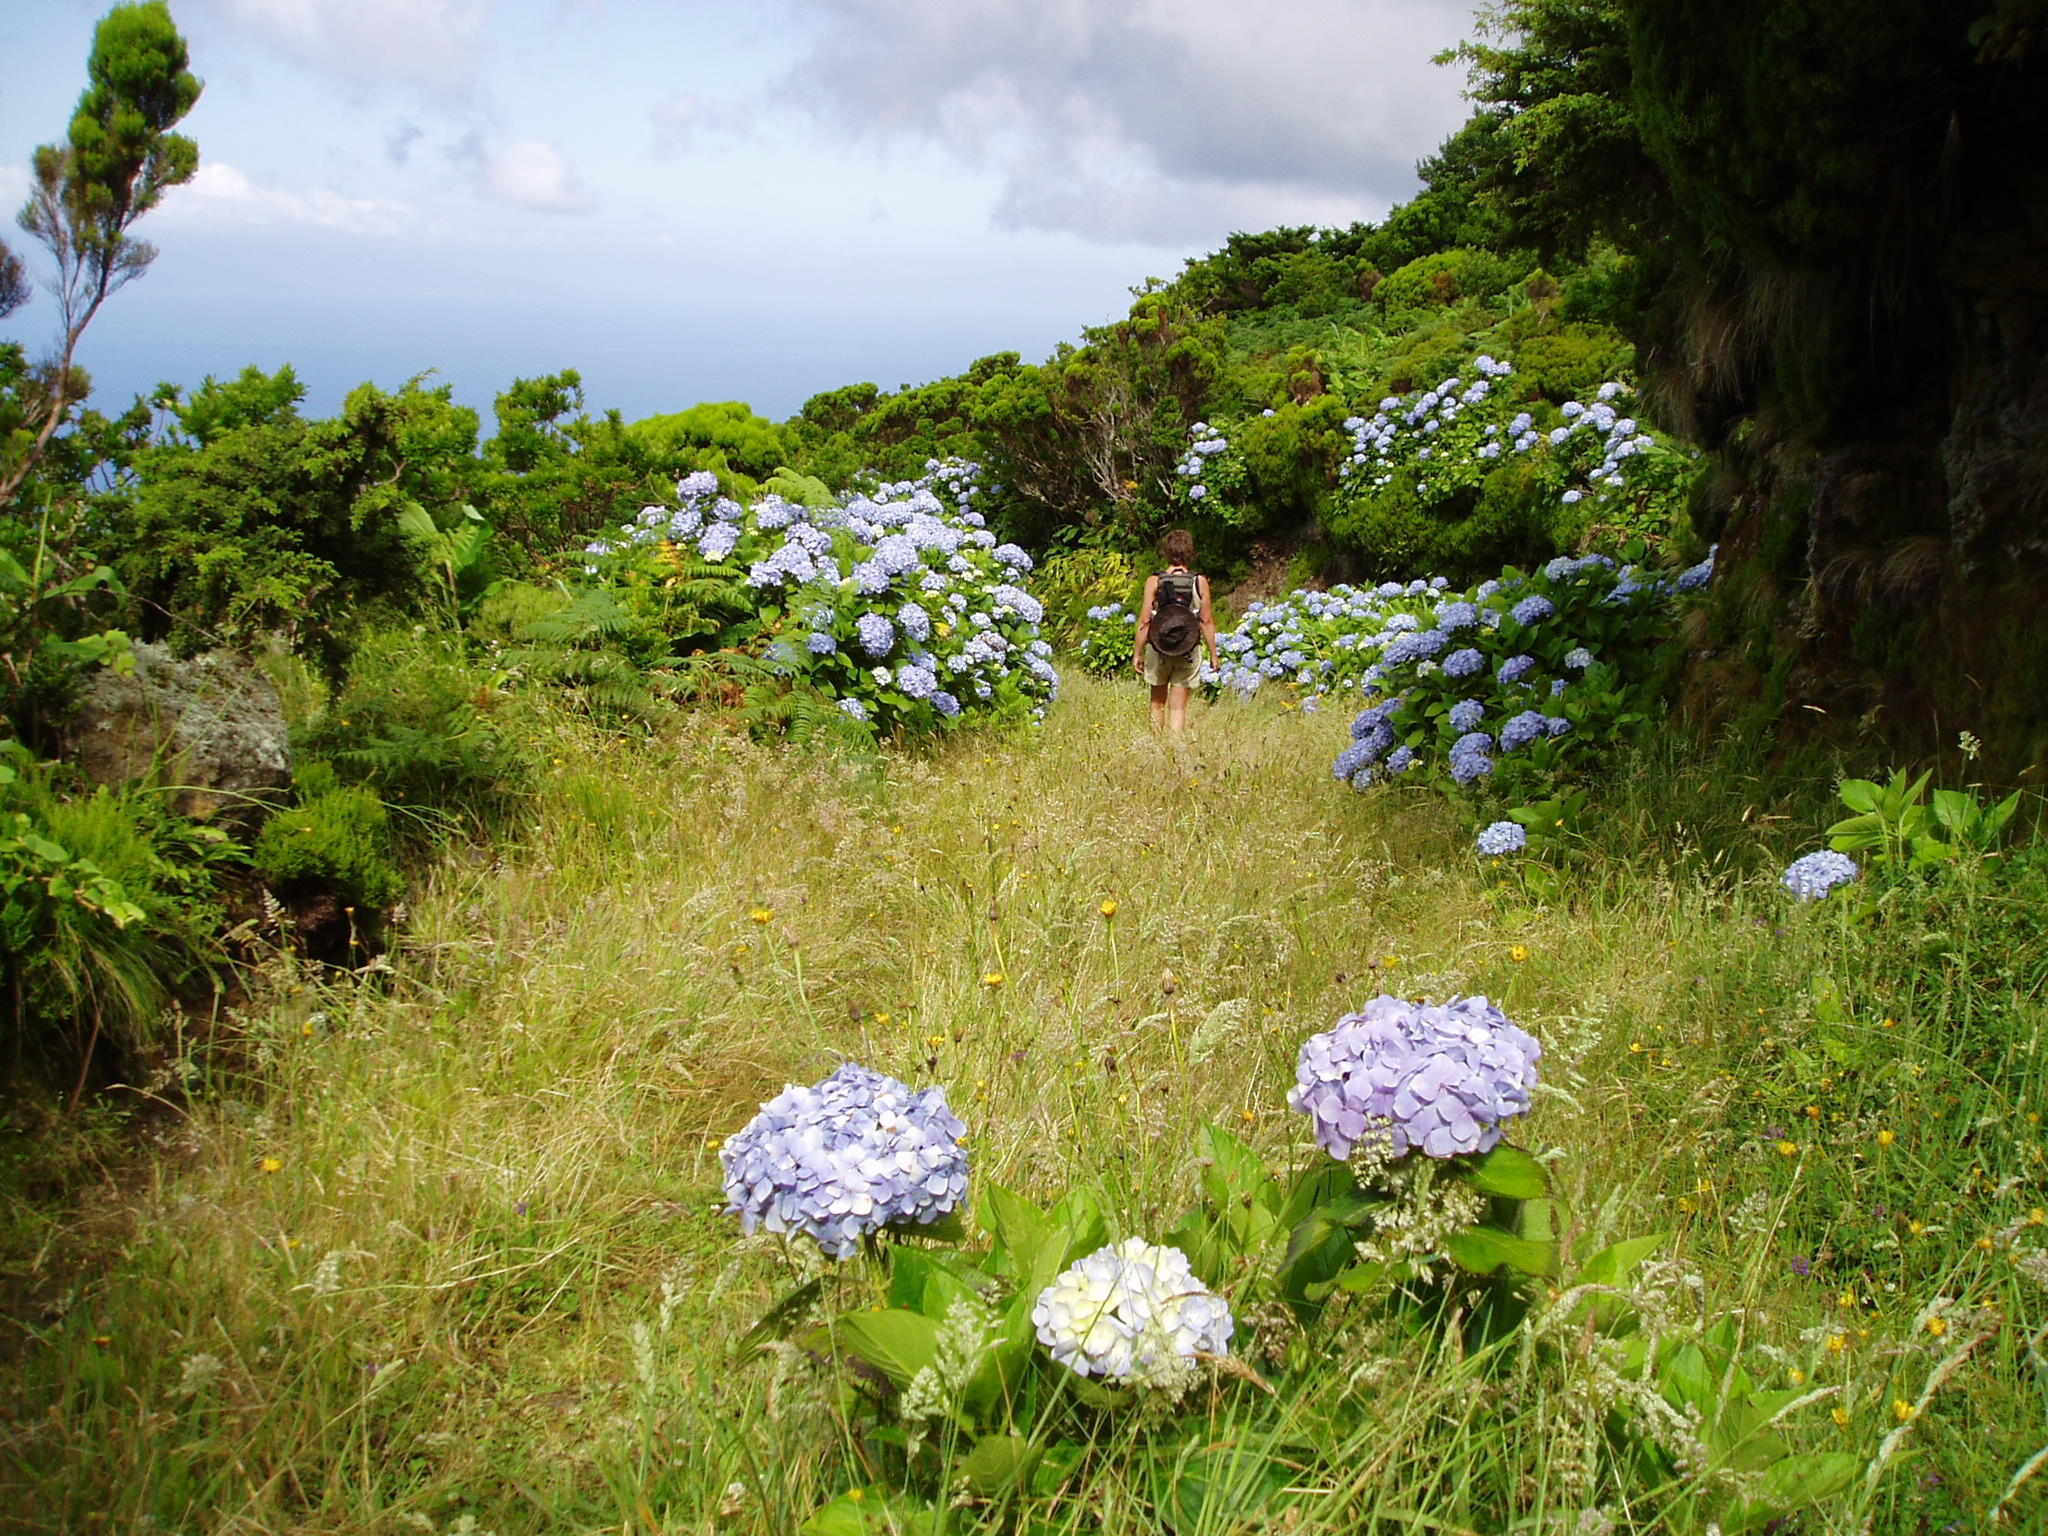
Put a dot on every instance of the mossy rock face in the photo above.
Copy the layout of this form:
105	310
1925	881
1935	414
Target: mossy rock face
211	725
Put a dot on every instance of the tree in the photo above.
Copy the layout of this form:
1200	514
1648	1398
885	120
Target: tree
118	159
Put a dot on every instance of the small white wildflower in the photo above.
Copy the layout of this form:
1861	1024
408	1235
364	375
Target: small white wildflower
200	1372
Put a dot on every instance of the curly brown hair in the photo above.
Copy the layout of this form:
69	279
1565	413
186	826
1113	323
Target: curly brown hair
1177	547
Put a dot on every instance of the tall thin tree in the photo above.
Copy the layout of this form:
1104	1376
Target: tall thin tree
118	159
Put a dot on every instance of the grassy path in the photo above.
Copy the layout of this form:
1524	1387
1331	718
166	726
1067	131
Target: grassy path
447	1249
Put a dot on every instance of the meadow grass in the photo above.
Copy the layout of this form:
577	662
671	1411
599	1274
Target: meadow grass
439	1247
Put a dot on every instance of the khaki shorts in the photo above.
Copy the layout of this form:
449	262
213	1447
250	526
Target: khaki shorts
1171	671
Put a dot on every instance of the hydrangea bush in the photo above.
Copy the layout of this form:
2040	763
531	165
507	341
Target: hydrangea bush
1443	1080
1132	1313
1503	683
898	602
845	1158
1211	480
1107	642
1473	441
1320	642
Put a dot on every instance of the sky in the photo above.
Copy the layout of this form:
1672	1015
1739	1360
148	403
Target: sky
688	201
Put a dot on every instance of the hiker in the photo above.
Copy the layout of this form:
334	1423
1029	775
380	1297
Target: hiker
1174	623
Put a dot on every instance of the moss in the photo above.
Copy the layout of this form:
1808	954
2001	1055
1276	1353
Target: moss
336	837
1787	520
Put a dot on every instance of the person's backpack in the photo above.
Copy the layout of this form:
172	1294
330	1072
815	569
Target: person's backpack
1176	628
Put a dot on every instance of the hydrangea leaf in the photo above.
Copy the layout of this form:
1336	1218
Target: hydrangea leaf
896	1342
1614	1263
869	1511
997	1464
1792	1484
779	1319
1231	1170
1482	1250
1509	1172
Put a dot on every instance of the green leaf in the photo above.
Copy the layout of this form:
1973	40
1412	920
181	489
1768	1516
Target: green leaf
1858	794
781	1318
1232	1170
997	1464
895	1342
1217	1489
1509	1172
1020	1228
872	1512
1795	1482
1613	1264
1482	1250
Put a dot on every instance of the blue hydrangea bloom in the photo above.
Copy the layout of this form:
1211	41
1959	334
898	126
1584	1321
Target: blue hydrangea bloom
846	1158
853	709
1521	730
1443	1080
915	621
877	634
1503	837
1532	609
1466	714
1515	668
1813	875
1471	756
718	541
1463	663
821	644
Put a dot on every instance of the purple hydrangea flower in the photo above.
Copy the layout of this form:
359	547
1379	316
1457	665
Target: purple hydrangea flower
1812	876
846	1158
719	540
1471	756
1693	577
1440	1079
1521	730
877	634
1503	837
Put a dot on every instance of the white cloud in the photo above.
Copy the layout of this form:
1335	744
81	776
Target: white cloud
1152	119
429	43
220	194
534	173
680	119
14	185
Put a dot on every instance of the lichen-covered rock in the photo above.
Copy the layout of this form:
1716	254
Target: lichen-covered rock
211	726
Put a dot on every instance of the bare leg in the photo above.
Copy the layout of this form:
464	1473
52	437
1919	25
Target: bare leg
1159	707
1177	707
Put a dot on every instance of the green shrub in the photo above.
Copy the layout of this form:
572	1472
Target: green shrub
1073	581
338	835
424	726
1432	282
108	907
1571	362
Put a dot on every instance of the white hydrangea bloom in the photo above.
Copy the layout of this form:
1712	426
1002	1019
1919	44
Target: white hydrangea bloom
1132	1313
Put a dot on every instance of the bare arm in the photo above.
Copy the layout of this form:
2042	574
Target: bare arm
1144	623
1209	628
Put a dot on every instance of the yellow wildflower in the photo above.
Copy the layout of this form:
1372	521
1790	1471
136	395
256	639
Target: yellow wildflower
1108	907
